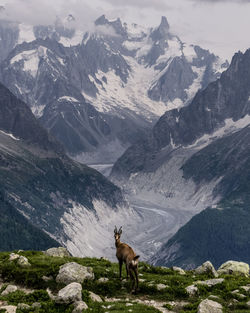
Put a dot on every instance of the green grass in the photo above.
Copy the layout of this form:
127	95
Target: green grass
42	265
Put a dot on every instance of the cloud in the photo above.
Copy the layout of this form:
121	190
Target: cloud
37	12
221	1
155	4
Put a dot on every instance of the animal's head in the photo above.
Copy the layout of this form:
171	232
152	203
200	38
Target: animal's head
135	261
117	233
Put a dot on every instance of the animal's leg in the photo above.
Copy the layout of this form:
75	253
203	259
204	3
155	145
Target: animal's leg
136	277
133	280
127	270
120	269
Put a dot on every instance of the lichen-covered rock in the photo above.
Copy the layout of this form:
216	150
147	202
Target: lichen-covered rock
13	256
103	280
210	282
209	306
160	286
70	293
9	308
36	305
9	289
95	297
178	270
23	261
47	278
234	267
58	252
74	272
192	290
79	306
23	306
206	268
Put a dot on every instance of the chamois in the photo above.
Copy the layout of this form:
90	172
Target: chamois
125	253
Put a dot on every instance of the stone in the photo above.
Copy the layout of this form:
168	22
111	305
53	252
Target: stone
36	305
160	286
47	278
74	272
213	297
79	306
103	280
248	304
23	306
235	268
178	270
23	261
210	282
209	306
9	289
58	252
94	297
246	288
70	293
192	290
14	256
206	268
9	308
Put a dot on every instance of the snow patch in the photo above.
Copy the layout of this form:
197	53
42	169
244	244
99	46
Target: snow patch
229	127
130	97
74	41
67	98
196	85
26	33
90	231
30	60
9	134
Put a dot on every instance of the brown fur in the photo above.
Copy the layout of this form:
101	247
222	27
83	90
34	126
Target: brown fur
125	254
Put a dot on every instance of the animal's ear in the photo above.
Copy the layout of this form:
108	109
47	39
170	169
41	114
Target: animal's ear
136	259
120	231
115	230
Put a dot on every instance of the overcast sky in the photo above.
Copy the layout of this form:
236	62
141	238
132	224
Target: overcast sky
220	26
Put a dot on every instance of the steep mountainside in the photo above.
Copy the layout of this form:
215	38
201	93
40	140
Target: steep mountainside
63	198
222	232
17	232
153	168
99	92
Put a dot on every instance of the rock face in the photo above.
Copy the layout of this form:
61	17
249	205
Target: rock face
235	268
70	293
58	252
42	191
74	272
188	161
209	306
103	90
206	268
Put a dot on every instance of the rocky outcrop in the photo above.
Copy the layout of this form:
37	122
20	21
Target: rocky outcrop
235	268
209	306
70	293
60	252
206	268
74	272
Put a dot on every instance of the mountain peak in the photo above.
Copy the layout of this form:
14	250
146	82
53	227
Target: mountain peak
164	26
161	31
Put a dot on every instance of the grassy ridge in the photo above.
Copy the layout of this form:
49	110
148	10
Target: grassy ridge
116	293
